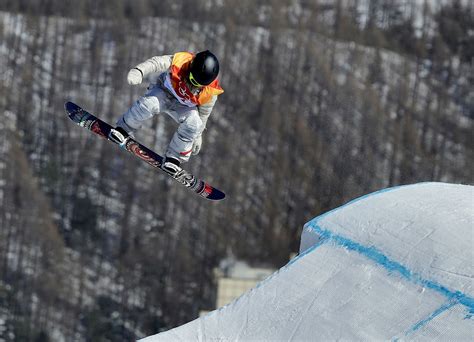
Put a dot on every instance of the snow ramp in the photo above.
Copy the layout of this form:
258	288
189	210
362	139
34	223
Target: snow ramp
393	265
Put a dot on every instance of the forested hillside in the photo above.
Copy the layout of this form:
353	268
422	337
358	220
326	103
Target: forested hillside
324	101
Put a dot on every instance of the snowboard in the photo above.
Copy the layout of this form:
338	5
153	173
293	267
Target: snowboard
102	129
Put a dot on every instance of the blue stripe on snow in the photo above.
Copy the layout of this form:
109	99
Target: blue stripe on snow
392	266
454	297
436	313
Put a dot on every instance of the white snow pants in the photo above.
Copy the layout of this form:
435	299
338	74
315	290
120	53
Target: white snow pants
158	100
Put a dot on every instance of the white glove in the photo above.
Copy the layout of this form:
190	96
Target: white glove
197	145
134	76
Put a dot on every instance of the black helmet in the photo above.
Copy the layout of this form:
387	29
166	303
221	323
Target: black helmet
204	67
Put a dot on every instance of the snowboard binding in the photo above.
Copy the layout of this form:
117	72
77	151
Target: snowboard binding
119	136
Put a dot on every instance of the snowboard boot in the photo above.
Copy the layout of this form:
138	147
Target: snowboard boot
171	166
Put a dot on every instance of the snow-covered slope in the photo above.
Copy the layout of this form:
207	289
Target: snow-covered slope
396	264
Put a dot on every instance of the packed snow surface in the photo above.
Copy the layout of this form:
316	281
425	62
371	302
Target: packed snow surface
396	264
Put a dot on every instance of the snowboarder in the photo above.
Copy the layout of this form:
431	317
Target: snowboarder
186	89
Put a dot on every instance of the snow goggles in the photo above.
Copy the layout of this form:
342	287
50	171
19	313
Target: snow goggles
193	81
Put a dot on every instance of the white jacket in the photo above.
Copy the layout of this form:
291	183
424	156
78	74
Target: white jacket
157	66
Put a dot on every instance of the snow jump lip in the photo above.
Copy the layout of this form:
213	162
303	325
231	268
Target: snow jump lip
377	262
427	279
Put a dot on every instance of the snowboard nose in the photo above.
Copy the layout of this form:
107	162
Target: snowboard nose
71	107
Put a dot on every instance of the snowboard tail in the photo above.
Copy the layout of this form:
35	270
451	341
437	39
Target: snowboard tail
101	128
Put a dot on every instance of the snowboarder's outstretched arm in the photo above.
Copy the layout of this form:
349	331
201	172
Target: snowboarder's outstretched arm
156	64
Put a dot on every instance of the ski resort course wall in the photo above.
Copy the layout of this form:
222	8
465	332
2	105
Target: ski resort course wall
396	264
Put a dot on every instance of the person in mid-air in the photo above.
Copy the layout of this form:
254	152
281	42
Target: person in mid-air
186	89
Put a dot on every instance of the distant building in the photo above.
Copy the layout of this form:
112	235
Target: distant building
234	278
